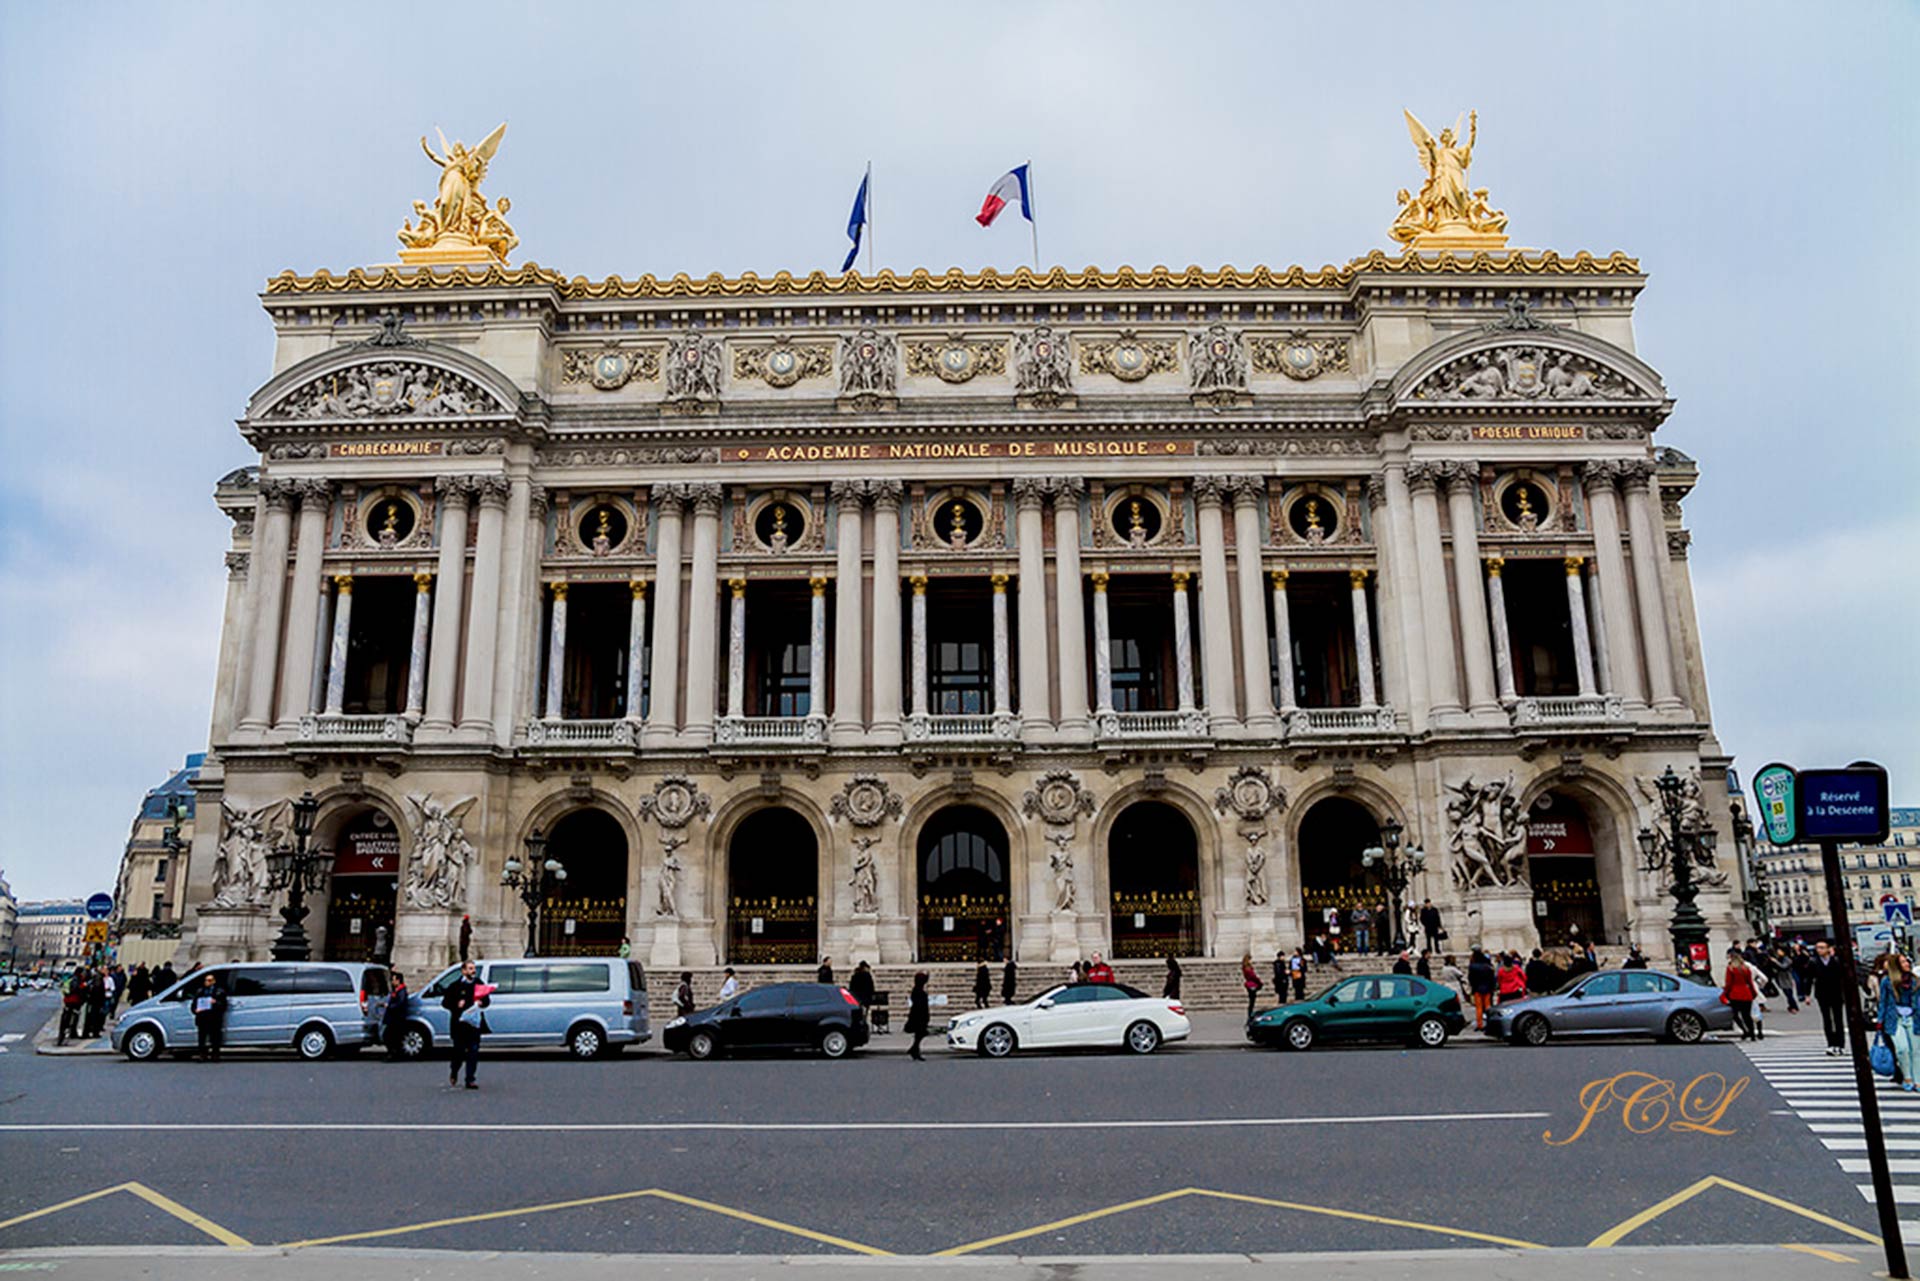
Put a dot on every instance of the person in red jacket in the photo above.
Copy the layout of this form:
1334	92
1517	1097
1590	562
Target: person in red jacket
1738	992
1099	971
1513	979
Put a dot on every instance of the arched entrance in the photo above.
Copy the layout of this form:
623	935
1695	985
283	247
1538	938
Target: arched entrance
587	913
361	892
1333	833
1153	879
773	887
961	863
1562	870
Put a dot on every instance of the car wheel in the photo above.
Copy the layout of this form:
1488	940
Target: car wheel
1430	1033
314	1043
585	1042
1686	1027
142	1044
1143	1037
998	1041
1298	1034
701	1045
415	1041
1533	1030
834	1044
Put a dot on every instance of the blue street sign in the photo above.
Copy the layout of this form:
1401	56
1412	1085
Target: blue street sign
1843	804
100	907
1897	913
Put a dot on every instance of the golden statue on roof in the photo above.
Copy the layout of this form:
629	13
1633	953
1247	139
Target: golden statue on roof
458	227
1448	213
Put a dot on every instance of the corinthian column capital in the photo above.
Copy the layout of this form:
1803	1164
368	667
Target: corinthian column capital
885	494
1029	491
1247	490
1636	473
1425	475
848	491
1067	488
1210	491
280	493
705	496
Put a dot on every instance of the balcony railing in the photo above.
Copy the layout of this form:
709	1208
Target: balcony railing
996	727
1187	724
1578	709
771	731
1334	722
354	730
566	733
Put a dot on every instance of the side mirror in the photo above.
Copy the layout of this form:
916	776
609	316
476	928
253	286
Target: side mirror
1045	1003
1578	991
733	1011
1333	1000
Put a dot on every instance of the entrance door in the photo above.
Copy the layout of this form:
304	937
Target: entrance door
1153	867
962	863
586	915
1333	834
360	899
773	886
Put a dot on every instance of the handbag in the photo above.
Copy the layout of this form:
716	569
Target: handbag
471	1016
1881	1057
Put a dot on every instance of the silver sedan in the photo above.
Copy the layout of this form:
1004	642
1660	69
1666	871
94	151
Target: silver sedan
1615	1003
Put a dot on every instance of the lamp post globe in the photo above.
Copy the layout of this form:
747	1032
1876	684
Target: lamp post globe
298	870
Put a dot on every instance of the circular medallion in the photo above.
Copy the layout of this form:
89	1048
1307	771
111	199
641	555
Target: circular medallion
611	369
956	363
783	367
1129	361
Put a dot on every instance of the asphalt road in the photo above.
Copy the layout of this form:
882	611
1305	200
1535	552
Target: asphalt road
1247	1151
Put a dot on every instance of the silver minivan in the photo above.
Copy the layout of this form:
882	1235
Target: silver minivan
316	1007
590	1004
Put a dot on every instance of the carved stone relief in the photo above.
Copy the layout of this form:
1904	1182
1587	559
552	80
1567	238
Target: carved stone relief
388	388
1526	373
782	363
956	360
1299	355
1129	357
676	801
609	367
866	801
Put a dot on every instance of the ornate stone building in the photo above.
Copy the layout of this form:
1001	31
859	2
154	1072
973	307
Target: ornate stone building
928	617
147	905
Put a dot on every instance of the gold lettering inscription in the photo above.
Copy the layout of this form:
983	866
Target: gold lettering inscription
1648	1103
1503	431
812	452
386	448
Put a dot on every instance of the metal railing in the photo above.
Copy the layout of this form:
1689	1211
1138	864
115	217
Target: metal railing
338	728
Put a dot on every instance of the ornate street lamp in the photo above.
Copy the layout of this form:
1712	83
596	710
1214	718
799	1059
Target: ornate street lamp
535	879
1395	870
297	871
1683	848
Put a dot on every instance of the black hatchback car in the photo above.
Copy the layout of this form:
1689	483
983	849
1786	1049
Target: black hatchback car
779	1016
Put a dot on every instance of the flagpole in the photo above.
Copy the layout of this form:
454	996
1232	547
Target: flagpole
1033	223
869	217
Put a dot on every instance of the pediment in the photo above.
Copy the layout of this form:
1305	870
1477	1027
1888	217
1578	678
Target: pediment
1560	366
364	383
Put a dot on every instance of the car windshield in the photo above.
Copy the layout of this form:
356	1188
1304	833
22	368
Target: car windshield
1570	984
1326	991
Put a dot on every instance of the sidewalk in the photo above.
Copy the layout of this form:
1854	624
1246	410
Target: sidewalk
43	1040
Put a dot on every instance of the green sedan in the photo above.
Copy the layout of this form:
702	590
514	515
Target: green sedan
1366	1007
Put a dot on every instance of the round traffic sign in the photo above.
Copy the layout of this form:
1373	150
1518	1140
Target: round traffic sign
100	907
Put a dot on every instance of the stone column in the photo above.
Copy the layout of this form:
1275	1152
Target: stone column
1616	606
849	663
1577	613
1363	638
1070	599
737	648
417	650
517	651
443	654
703	611
886	607
636	646
663	675
1597	630
1649	546
1216	632
483	617
1283	639
1255	673
1029	529
337	649
1436	612
1502	638
303	605
1395	538
1102	648
817	649
919	585
556	653
236	643
1476	645
1182	641
1002	645
269	570
1391	594
322	651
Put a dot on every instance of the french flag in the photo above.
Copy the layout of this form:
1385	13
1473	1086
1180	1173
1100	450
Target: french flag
1012	184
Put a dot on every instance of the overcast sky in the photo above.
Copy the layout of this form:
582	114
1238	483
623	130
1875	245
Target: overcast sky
159	161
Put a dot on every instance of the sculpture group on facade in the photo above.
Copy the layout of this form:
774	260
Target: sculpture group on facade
437	873
397	388
1525	373
458	225
1446	202
1488	834
865	881
240	862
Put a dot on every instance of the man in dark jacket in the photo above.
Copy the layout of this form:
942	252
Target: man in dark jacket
393	1019
1830	994
1430	924
982	986
164	977
209	1014
1402	965
1482	982
1636	960
1542	975
825	973
1009	982
461	996
139	985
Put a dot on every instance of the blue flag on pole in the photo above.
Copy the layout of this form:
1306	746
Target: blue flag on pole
856	223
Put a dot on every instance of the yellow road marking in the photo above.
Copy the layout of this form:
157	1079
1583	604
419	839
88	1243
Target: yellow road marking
1088	1217
1801	1210
1831	1256
1372	1218
1613	1235
775	1224
231	1239
64	1205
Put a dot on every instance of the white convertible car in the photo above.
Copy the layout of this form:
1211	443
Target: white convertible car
1072	1015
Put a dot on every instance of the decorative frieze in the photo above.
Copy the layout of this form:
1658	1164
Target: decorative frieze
610	367
387	389
782	363
956	360
1128	357
1524	372
1299	355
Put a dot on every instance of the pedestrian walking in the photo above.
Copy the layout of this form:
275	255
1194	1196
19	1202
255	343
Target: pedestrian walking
1899	999
393	1019
1512	979
1760	1013
1170	990
825	973
1250	977
982	986
139	985
1009	982
116	988
683	995
209	1017
1402	965
1454	977
729	984
1386	931
1280	975
1360	920
1586	961
1828	984
1297	971
466	1004
919	1017
164	978
1430	925
1099	971
1424	966
1332	919
860	984
1542	975
466	936
73	996
96	1004
1738	991
626	947
1482	983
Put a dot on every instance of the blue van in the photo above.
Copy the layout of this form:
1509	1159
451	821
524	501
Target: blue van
592	1005
314	1007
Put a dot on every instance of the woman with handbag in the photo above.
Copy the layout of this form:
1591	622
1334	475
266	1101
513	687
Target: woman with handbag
1737	991
466	1000
919	1016
1899	1000
1250	978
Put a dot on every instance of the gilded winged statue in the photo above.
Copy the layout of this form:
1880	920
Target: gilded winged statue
458	225
1446	202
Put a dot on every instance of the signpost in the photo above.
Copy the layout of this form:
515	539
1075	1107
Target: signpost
1831	806
99	907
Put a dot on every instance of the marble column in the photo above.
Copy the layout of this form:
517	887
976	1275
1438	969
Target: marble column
1249	492
1502	637
1362	638
1649	546
1610	565
663	673
268	568
556	653
737	647
817	648
886	607
1002	646
322	651
1030	533
919	585
849	661
1102	647
636	647
1395	538
1597	631
1436	611
303	602
1577	614
703	612
1182	641
1392	591
517	651
417	650
483	615
443	652
236	642
337	648
1070	600
1469	585
1216	631
1283	640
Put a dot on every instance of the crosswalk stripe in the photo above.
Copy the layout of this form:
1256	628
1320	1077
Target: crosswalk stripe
1860	1144
1895	1165
1903	1193
6	1037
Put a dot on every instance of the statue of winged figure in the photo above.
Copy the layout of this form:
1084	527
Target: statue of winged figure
1446	201
240	861
437	875
459	213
